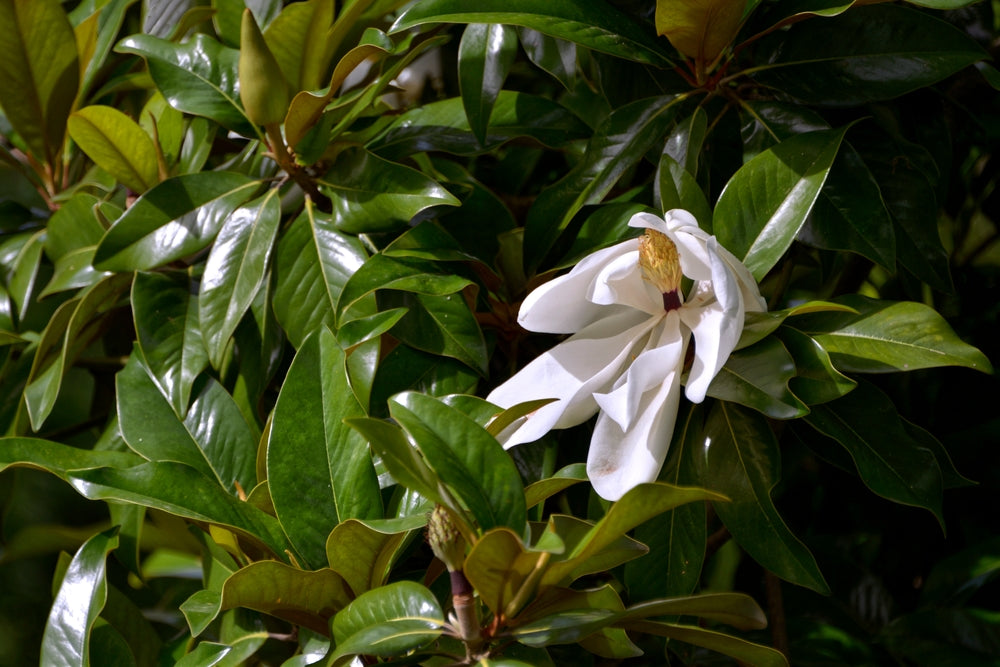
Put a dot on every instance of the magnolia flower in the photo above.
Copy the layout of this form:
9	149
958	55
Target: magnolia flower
631	328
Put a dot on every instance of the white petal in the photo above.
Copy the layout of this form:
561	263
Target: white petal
572	372
619	460
621	282
716	327
561	305
663	357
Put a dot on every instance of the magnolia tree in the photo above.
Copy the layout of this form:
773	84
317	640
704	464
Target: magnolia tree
503	332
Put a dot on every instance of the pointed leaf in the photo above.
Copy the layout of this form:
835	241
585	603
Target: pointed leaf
597	26
235	270
441	325
742	460
319	470
767	201
700	29
80	599
117	145
364	552
485	54
58	458
381	271
176	218
400	458
816	380
758	377
747	653
39	73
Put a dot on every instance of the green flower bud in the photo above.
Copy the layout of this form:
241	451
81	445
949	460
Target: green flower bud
263	88
445	540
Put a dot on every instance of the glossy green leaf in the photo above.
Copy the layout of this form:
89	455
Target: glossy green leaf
370	194
399	457
555	56
466	458
74	226
758	377
235	270
757	326
58	458
595	26
228	12
766	202
744	651
816	380
607	642
485	54
72	271
213	437
39	73
676	538
176	218
388	621
165	314
201	609
206	654
441	325
199	77
313	262
339	481
617	145
296	37
406	368
117	144
498	565
637	506
741	459
304	598
25	278
80	599
864	55
887	336
364	552
565	627
564	478
443	126
364	329
181	490
381	271
890	463
735	609
679	189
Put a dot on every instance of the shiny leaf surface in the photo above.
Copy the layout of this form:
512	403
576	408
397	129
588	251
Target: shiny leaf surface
485	54
117	144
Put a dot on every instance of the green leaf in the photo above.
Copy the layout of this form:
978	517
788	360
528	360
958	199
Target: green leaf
72	271
235	270
381	271
178	217
443	126
117	144
596	26
199	77
735	609
565	627
296	38
563	478
864	55
745	652
303	598
370	194
888	460
39	73
485	54
441	325
406	368
767	201
80	599
465	458
58	458
928	637
399	457
956	578
387	621
165	314
181	490
339	481
758	377
74	226
213	437
676	538
617	145
741	459
555	56
679	189
313	262
363	552
816	380
887	336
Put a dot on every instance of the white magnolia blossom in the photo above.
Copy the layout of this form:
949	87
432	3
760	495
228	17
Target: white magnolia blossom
631	328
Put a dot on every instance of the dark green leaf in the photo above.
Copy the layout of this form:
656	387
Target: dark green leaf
890	463
339	480
58	458
485	54
406	368
758	377
387	621
931	637
441	325
235	270
176	218
742	461
958	577
364	552
370	194
80	599
816	380
555	56
767	201
597	26
199	77
679	189
864	55
621	141
39	73
74	226
408	275
466	458
745	652
399	457
887	336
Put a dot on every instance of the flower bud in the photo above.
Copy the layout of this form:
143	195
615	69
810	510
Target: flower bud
263	89
445	540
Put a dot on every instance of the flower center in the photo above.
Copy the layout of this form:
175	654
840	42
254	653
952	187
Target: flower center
661	265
